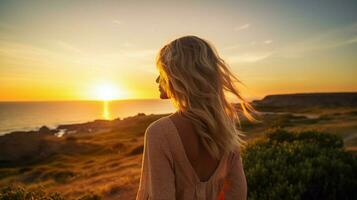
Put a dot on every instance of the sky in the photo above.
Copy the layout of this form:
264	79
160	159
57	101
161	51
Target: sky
83	50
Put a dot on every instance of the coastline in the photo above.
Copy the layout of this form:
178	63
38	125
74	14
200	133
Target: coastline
93	126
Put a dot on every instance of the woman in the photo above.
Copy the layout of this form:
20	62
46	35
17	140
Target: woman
194	153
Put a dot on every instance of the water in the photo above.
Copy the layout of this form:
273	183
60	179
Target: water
21	116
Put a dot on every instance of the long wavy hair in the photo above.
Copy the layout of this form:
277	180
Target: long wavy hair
194	76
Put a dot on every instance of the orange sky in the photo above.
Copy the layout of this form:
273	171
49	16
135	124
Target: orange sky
83	51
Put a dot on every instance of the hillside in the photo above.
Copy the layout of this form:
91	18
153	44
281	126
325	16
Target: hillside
104	156
309	100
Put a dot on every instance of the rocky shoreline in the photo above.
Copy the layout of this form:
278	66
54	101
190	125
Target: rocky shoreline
73	128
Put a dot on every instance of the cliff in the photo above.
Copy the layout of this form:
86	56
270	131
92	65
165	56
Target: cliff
309	100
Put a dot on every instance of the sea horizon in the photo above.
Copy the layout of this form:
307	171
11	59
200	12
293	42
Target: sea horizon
31	115
25	115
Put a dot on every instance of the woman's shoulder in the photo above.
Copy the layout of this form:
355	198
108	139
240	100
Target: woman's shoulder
159	124
158	128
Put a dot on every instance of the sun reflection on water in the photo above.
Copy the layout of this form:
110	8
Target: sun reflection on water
106	110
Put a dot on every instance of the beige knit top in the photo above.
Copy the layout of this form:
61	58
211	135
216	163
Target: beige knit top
167	174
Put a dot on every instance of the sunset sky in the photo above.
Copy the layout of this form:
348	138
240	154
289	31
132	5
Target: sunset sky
76	50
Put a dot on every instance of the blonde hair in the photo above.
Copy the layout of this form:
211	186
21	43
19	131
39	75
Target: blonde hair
195	78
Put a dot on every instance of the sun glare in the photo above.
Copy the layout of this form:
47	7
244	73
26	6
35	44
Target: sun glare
107	92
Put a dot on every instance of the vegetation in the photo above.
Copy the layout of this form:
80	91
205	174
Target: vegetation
101	159
20	193
17	192
299	165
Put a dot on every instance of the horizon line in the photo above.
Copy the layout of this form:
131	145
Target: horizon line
142	99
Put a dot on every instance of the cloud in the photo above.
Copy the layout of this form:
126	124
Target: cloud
239	28
26	53
268	41
68	47
240	46
328	40
139	53
246	45
250	52
353	40
118	22
236	46
251	57
64	54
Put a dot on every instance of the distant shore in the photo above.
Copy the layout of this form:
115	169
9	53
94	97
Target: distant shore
297	102
73	128
28	116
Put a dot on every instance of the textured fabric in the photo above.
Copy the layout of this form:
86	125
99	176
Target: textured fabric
167	173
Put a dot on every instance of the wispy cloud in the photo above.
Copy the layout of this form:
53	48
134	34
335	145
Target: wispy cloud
139	53
117	22
250	52
240	46
242	27
247	45
26	53
61	53
68	47
250	57
268	41
328	40
351	41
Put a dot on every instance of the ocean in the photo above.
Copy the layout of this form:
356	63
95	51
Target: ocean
24	116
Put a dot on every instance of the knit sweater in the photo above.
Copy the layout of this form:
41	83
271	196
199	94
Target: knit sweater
167	174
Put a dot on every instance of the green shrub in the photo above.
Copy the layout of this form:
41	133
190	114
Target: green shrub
19	192
299	165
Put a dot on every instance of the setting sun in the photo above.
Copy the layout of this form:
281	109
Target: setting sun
107	92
